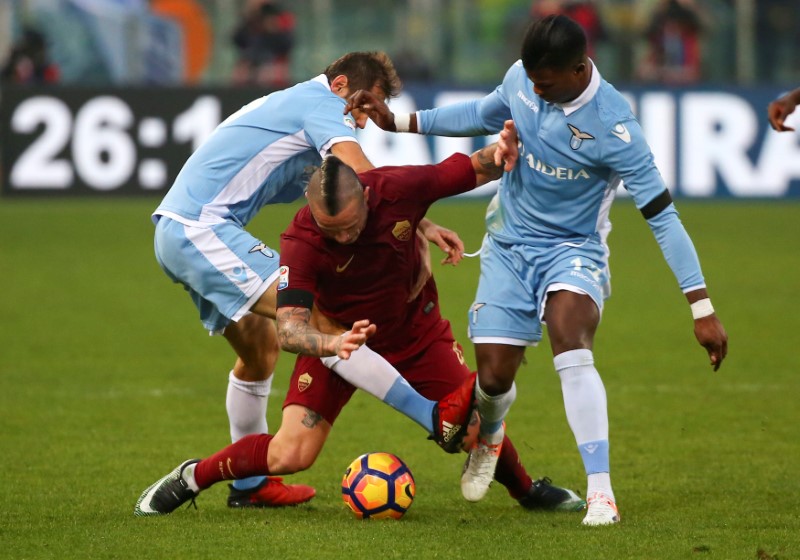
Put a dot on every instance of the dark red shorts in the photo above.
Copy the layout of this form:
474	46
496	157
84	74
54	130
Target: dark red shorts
439	370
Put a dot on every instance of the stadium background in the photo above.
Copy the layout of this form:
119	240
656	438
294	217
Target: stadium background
107	379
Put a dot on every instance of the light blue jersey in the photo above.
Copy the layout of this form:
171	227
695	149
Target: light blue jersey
259	156
262	154
572	160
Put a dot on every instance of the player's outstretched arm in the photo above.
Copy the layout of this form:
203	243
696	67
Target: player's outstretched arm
298	336
778	110
707	327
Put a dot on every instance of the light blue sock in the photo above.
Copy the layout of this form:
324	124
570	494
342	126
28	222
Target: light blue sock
595	456
401	396
248	483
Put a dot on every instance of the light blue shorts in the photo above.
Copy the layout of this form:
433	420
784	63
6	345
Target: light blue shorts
515	280
223	267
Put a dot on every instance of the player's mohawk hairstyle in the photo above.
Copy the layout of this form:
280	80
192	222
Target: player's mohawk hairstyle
335	188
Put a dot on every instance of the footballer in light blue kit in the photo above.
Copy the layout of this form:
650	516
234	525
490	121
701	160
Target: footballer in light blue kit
262	154
545	258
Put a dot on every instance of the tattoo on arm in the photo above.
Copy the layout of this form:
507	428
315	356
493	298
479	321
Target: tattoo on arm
485	159
311	419
297	336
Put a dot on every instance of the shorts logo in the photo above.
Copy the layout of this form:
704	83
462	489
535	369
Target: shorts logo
402	230
474	311
263	249
283	277
239	274
303	382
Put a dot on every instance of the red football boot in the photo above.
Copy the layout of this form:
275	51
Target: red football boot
451	416
270	493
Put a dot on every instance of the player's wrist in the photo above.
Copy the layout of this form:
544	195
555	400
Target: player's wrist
402	122
702	308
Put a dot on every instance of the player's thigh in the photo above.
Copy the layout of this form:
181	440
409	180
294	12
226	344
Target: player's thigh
315	387
505	308
439	370
225	269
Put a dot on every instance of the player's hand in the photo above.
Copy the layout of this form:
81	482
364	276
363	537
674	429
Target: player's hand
778	110
375	108
355	338
712	336
447	240
507	147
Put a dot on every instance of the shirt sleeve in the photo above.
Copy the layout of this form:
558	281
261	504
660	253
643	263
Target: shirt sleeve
469	118
629	156
297	283
425	184
326	125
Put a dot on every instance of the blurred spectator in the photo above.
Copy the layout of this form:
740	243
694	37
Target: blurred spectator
585	12
673	36
28	62
264	39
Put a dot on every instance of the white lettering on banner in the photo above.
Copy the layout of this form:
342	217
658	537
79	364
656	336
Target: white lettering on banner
387	148
657	117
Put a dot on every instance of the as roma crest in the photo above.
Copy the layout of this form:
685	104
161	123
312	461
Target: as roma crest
304	381
402	230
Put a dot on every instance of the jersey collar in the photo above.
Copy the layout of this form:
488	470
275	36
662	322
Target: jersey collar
322	79
587	95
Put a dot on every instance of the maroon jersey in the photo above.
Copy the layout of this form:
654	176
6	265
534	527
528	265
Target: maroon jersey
372	278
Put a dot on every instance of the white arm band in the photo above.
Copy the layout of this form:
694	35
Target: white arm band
702	308
402	122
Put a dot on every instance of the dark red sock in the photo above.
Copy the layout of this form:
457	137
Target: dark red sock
510	472
247	457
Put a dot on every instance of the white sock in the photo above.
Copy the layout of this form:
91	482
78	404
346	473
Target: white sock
246	403
587	413
366	370
493	410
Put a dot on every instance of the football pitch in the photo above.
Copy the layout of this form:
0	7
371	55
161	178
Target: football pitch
108	381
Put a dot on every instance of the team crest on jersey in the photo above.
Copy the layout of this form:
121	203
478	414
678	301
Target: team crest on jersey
304	382
263	249
578	137
283	277
402	230
349	122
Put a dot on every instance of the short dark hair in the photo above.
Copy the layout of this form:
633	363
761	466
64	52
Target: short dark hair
555	41
337	182
364	70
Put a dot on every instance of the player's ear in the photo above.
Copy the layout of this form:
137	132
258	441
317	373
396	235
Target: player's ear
339	84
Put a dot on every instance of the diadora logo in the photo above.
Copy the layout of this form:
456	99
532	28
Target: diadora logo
263	249
621	132
560	173
578	137
591	448
528	103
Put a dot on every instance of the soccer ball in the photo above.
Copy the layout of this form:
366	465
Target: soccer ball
378	486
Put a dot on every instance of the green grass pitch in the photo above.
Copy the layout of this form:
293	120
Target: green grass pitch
107	381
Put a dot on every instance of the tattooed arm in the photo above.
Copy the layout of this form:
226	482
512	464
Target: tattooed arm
297	335
490	162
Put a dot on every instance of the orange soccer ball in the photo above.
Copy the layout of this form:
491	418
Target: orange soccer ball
378	486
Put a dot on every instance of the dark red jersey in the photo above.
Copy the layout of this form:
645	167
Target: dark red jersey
372	278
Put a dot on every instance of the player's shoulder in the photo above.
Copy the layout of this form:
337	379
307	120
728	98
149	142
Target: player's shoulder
611	106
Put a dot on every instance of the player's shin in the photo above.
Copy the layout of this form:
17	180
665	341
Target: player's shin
371	372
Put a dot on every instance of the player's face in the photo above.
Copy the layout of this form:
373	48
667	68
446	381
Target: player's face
559	85
347	225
